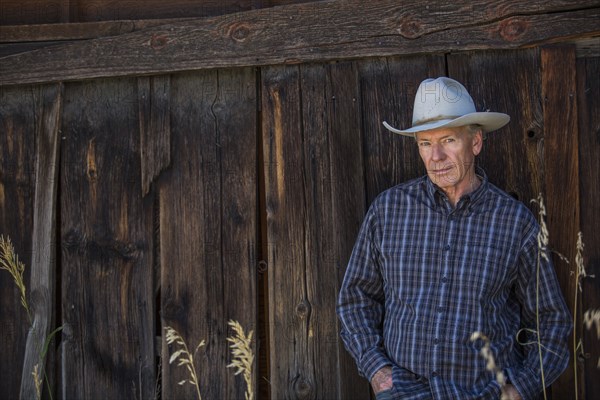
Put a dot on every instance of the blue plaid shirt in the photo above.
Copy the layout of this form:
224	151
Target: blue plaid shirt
424	276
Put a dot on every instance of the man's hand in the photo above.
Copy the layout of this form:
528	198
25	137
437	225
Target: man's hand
509	393
382	380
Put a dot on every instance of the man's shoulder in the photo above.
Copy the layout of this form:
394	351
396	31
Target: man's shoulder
411	189
503	200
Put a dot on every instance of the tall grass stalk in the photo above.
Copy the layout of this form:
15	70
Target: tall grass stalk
243	357
9	261
185	357
579	274
542	242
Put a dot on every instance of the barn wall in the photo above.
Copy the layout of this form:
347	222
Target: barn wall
60	11
271	168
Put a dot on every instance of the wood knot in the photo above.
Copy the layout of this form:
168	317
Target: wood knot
157	42
410	28
303	388
303	309
239	32
512	29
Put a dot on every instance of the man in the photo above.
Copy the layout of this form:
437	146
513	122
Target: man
447	255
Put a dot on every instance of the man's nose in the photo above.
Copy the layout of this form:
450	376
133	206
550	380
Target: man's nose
437	153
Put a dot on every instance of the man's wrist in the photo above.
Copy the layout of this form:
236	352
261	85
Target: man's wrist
382	380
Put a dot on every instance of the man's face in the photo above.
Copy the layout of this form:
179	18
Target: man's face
449	156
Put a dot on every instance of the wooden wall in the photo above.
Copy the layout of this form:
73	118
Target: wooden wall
14	12
160	170
179	196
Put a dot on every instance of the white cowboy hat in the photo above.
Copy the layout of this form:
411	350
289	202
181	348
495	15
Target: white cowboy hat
444	102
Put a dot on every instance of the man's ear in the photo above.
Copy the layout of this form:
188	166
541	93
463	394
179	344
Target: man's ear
477	142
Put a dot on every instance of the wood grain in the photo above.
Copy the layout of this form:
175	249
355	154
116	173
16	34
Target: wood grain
155	127
107	246
588	94
36	12
208	225
561	160
18	111
309	32
43	260
512	157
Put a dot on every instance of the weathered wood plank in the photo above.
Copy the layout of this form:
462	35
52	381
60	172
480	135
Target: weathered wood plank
17	191
35	12
513	156
307	32
388	88
77	30
561	162
155	127
43	259
314	196
291	375
208	212
107	246
588	93
346	165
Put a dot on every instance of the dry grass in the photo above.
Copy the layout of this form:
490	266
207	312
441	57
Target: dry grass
592	318
542	242
9	261
243	357
486	353
37	380
184	357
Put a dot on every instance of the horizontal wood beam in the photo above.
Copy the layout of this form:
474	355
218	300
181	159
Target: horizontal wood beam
320	31
78	30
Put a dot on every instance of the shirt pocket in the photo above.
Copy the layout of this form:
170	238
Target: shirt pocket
489	269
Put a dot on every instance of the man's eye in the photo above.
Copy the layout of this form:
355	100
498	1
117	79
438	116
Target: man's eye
423	144
449	140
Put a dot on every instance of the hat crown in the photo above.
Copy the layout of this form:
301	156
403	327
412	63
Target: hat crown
441	99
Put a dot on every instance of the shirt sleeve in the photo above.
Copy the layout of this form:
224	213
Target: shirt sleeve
539	293
361	302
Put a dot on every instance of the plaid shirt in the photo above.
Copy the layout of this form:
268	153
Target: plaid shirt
423	277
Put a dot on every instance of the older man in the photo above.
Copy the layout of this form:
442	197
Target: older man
444	256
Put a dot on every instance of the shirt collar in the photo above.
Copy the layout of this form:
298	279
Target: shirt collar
436	195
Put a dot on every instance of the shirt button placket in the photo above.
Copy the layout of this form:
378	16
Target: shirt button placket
445	261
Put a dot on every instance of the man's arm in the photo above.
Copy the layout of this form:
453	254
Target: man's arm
541	300
361	302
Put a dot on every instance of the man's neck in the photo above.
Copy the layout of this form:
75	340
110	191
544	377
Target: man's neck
454	194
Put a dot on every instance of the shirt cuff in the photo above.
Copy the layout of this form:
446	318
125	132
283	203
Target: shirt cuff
372	361
525	381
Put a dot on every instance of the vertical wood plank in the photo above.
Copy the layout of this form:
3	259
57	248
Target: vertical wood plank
43	260
508	82
208	212
107	242
588	93
17	188
388	88
347	202
291	374
155	127
561	151
315	201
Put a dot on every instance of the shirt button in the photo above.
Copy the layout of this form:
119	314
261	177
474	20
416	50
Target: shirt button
436	341
434	374
440	309
444	279
447	247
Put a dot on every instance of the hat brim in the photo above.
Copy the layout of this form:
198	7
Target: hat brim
489	121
